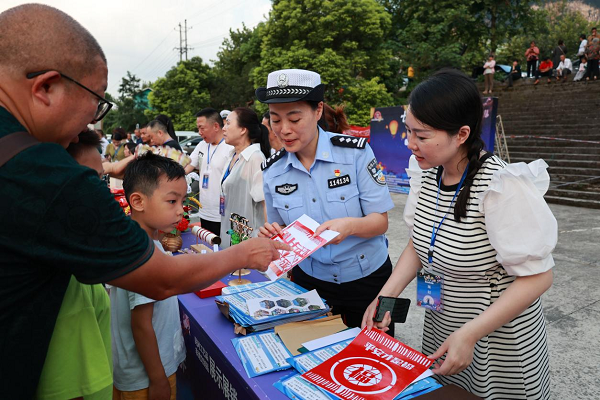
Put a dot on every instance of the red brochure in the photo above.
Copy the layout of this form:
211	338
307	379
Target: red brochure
372	366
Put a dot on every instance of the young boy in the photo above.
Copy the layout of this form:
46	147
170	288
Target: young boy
79	363
147	341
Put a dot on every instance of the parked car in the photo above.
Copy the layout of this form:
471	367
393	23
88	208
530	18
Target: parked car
188	145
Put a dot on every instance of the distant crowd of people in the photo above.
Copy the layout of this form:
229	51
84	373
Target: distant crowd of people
555	66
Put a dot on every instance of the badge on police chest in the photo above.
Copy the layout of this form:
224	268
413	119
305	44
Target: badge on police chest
287	188
338	182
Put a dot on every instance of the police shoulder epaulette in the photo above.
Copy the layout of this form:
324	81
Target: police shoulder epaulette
349	141
271	160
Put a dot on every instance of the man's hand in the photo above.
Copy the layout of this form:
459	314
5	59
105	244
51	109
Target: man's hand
269	230
261	251
159	389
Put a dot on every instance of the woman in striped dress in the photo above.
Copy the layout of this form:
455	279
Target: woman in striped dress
484	226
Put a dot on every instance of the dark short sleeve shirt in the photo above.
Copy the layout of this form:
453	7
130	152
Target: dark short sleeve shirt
57	219
172	143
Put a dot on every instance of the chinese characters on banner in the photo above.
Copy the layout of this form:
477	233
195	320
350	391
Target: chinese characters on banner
299	235
373	366
227	389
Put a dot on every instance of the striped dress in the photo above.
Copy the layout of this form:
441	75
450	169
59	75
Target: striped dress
512	362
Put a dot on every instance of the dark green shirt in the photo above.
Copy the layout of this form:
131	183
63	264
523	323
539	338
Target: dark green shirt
57	219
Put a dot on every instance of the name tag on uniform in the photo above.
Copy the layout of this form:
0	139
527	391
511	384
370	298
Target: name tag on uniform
339	181
429	291
205	181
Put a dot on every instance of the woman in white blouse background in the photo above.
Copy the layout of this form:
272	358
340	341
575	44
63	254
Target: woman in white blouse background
242	183
484	226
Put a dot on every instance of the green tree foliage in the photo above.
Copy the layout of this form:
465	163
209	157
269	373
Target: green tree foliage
239	55
366	94
430	34
126	113
183	92
343	40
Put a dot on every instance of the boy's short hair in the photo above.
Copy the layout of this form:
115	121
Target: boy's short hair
143	174
87	139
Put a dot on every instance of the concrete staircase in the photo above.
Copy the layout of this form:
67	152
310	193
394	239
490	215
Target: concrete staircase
559	122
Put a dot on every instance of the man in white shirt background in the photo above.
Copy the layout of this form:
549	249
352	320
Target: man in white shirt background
564	68
210	157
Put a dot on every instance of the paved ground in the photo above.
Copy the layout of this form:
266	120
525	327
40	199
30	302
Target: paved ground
571	306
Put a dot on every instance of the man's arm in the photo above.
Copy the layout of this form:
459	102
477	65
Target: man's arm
147	347
117	169
163	276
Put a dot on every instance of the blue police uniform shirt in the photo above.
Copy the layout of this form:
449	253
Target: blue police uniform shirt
342	182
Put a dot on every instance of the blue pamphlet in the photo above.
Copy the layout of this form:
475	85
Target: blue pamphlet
261	353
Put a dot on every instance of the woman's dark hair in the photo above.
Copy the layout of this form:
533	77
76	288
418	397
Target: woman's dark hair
131	146
335	119
582	36
447	101
119	134
561	42
257	132
166	121
322	121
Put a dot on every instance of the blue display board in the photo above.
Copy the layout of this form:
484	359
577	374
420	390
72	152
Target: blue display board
389	141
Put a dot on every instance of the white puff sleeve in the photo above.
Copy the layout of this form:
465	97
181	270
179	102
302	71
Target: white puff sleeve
519	223
256	177
415	173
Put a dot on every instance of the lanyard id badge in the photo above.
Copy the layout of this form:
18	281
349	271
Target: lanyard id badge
429	291
222	205
205	180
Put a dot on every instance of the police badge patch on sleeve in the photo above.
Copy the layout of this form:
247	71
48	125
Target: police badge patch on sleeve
287	188
376	172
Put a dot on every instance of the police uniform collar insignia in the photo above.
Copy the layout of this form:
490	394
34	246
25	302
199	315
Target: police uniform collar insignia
271	160
349	141
287	188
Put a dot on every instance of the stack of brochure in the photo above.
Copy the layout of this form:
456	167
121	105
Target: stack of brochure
284	302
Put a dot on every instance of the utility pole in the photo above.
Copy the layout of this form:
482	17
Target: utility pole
183	41
186	42
180	44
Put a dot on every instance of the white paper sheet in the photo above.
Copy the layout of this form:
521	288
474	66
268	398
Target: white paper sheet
299	235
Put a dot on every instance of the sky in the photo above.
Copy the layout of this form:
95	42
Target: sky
140	35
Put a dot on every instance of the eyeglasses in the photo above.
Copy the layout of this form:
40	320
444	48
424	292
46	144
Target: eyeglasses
104	105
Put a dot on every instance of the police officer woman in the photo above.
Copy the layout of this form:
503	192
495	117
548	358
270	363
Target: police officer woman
333	179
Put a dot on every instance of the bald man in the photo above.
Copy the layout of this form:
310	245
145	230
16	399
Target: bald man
58	218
